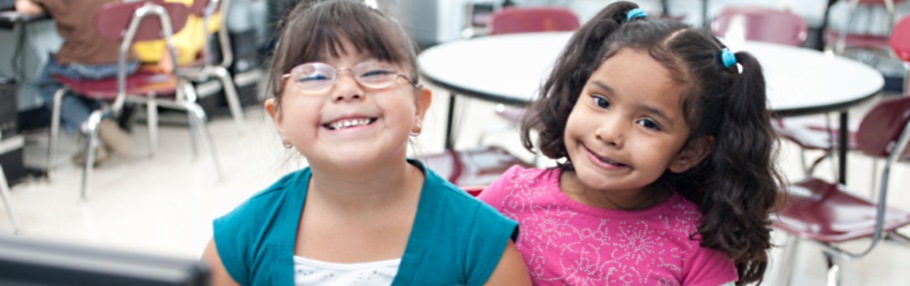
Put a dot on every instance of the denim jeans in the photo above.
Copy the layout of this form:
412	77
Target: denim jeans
74	109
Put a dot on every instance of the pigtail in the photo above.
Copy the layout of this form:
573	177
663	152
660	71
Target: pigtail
581	56
743	182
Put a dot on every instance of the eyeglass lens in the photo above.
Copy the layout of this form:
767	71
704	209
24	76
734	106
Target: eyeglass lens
373	75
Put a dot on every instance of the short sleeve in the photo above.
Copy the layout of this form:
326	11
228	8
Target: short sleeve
486	241
708	267
495	194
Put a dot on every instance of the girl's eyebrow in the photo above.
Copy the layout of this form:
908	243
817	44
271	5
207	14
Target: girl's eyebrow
603	86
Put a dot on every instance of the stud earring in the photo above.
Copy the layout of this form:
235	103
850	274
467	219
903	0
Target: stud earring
287	144
418	128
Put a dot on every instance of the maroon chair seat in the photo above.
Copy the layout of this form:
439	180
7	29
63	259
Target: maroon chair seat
813	136
826	212
142	83
478	166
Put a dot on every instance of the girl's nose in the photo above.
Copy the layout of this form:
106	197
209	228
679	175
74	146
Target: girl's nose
611	132
346	88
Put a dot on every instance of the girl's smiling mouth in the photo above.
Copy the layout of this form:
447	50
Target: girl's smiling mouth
603	161
349	123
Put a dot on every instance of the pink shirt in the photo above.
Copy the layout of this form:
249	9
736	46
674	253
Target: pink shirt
565	242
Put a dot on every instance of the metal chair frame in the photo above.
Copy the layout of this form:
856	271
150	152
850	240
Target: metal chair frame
208	69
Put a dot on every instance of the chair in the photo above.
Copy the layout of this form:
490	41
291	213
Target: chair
824	137
471	169
828	214
206	68
839	41
125	23
760	24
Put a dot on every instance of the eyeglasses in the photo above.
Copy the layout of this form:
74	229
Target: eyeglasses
371	75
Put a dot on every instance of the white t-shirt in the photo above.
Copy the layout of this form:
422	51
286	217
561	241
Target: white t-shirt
314	272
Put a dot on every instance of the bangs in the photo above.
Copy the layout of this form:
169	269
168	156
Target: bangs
325	31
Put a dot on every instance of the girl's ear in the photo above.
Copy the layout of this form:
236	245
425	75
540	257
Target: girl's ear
692	154
271	106
423	101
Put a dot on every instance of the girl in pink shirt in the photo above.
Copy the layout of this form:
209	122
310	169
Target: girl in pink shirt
666	173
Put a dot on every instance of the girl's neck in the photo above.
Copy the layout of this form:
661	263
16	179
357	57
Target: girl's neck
627	200
373	188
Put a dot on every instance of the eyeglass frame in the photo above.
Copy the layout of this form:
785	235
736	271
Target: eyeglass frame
338	71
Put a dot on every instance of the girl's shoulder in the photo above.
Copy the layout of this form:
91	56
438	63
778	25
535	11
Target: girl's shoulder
291	186
521	175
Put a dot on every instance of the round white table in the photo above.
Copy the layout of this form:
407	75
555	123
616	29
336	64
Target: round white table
511	68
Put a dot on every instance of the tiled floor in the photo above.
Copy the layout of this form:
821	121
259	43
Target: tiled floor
164	205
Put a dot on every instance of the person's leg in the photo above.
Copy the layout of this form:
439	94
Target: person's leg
73	109
109	132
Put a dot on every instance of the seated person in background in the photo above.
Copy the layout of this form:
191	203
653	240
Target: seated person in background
84	55
188	42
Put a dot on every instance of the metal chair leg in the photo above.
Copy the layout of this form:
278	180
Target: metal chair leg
230	92
833	277
4	192
791	247
91	145
190	93
55	130
199	115
152	123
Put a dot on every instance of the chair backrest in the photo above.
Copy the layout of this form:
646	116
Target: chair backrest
900	39
532	19
128	22
882	127
760	24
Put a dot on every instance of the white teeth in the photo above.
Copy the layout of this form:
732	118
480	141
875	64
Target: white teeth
349	123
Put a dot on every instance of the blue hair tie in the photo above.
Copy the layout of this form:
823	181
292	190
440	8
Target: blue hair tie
635	14
727	58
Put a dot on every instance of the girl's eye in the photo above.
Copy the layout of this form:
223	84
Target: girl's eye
377	72
648	123
314	77
600	101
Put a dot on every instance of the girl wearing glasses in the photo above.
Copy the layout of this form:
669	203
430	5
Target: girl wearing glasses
666	173
346	97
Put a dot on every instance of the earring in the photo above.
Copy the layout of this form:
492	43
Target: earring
418	128
287	144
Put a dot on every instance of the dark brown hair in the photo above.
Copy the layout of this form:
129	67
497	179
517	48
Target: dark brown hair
313	28
736	187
